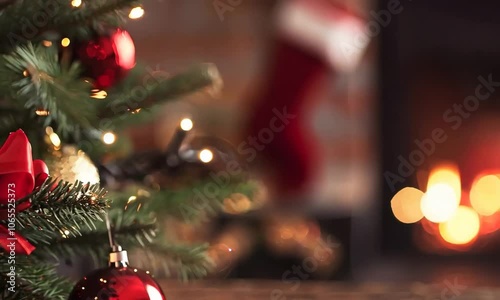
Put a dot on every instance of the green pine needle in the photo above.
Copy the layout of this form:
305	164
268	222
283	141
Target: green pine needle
34	280
37	81
62	209
144	91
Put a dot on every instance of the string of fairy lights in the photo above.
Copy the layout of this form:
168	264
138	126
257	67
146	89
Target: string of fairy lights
177	154
135	13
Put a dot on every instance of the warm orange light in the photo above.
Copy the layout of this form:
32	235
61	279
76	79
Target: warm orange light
98	94
47	43
65	42
406	205
439	203
462	228
447	174
485	195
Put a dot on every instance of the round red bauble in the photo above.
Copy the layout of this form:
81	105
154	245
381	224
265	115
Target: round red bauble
122	283
107	58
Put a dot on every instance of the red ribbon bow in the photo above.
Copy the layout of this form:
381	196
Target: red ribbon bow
19	175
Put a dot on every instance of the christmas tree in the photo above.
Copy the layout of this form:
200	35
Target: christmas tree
69	80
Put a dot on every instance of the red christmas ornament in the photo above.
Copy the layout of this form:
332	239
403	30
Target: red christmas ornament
119	281
107	59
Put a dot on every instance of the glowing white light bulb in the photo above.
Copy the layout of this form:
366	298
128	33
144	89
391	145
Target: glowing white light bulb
206	156
54	138
76	3
186	124
109	138
136	13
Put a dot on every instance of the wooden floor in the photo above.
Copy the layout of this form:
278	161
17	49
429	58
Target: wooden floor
277	290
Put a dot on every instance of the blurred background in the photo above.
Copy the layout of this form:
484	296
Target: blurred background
371	127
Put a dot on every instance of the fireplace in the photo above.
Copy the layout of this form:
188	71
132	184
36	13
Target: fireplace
440	132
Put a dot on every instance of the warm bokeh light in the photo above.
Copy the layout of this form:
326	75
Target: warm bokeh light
237	204
76	3
439	203
136	13
186	124
65	233
406	205
109	138
55	140
42	112
98	94
206	155
227	248
65	42
485	195
462	228
447	174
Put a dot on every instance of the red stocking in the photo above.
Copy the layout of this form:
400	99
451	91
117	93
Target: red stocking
294	73
301	59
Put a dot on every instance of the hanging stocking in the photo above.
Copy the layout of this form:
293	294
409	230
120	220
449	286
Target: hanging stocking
313	37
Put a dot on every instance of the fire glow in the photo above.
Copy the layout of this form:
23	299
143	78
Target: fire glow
445	205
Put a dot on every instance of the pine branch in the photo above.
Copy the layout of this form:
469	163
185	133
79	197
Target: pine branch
37	81
192	203
66	210
159	90
168	258
186	203
132	227
95	243
29	285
